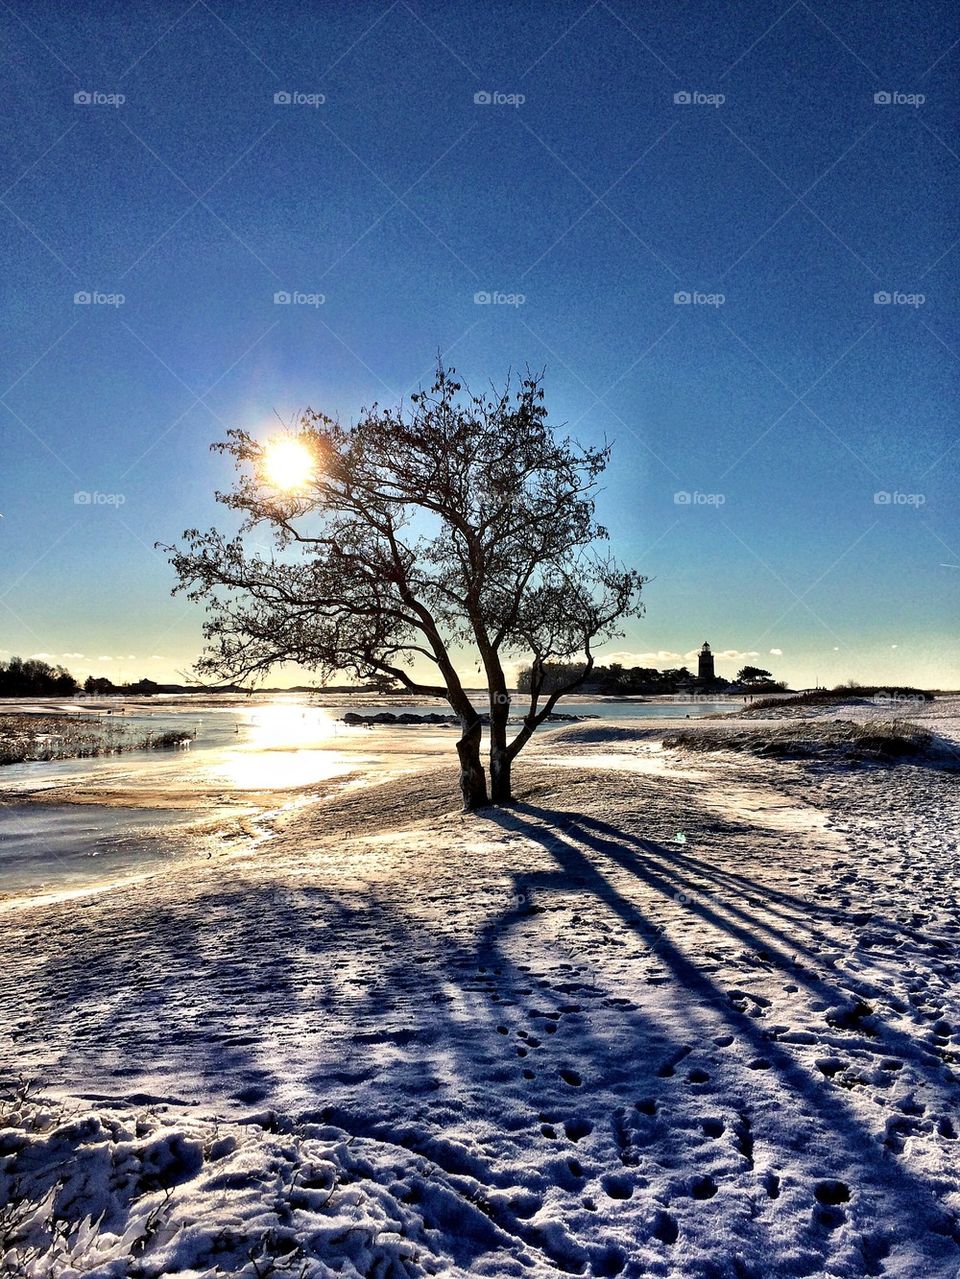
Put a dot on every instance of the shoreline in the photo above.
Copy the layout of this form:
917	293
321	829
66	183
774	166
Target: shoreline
230	784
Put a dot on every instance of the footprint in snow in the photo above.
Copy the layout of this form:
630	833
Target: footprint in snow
665	1228
703	1188
830	1193
577	1129
617	1186
830	1066
668	1067
897	1129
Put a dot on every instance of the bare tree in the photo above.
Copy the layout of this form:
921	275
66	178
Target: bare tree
457	523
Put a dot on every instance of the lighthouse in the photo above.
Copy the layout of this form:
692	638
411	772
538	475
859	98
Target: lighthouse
705	672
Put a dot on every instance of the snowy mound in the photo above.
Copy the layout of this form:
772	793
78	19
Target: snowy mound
599	735
836	739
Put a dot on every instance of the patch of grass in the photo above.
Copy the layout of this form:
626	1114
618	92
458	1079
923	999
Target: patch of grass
37	738
878	695
881	741
164	741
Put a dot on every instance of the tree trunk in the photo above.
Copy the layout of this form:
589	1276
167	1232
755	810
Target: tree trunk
473	780
500	788
500	758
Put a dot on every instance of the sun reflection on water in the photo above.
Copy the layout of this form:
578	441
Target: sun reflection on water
280	726
281	746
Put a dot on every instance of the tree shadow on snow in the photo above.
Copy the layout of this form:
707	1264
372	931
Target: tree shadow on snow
587	850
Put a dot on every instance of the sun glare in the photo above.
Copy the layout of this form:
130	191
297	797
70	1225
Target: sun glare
288	464
280	746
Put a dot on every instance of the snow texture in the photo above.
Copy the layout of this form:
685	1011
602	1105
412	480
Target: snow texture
694	1018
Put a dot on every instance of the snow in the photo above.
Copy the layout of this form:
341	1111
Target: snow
678	1016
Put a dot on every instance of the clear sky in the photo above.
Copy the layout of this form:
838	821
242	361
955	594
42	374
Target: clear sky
576	190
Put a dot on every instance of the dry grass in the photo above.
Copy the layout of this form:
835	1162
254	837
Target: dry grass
28	738
823	697
825	739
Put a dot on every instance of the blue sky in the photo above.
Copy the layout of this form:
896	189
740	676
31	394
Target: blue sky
582	195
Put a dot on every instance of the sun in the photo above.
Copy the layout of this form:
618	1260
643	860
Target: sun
288	464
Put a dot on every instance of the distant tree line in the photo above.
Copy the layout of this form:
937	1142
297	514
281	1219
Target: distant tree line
614	680
32	677
617	680
756	678
99	685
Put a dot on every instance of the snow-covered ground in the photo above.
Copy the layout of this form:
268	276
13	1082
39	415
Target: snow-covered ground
675	1015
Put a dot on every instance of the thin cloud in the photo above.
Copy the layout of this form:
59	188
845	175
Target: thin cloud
639	659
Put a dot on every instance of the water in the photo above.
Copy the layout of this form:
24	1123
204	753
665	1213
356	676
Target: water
62	846
247	758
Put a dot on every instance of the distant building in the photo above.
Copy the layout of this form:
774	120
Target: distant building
705	672
148	686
